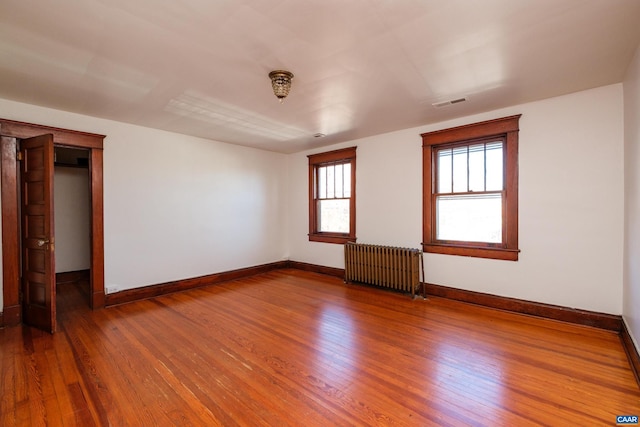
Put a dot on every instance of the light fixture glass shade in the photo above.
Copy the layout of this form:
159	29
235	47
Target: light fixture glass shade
281	83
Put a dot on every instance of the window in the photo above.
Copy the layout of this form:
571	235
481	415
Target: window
470	184
332	196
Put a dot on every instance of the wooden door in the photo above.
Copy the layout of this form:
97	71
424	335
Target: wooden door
38	260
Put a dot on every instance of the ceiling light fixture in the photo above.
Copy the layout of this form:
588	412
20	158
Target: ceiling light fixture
281	83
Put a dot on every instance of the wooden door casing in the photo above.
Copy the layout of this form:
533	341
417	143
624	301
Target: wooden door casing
11	132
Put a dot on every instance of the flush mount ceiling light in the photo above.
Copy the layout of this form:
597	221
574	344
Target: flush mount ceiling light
281	83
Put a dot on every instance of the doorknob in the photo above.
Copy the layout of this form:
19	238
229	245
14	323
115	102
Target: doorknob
43	242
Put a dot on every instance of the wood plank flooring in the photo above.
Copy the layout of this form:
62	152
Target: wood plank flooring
293	348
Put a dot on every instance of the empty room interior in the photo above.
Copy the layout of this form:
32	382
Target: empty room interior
320	213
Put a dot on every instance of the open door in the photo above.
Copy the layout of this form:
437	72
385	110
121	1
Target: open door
38	260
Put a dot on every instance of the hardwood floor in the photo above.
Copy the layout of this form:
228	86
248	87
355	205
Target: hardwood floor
296	348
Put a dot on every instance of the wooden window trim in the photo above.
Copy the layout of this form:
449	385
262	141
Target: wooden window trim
315	160
507	127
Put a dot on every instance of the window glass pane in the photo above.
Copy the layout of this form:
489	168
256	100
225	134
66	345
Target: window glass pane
322	182
470	218
460	170
338	181
347	179
476	167
444	171
330	181
494	166
333	215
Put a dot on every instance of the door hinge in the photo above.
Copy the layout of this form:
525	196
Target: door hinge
19	156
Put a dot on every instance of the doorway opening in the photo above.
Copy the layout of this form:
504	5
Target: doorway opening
72	219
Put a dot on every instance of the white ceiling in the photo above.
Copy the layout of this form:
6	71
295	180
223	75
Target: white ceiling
200	67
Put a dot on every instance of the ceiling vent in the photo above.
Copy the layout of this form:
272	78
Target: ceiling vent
450	102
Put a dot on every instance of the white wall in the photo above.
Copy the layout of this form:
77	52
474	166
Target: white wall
72	219
571	204
177	206
631	291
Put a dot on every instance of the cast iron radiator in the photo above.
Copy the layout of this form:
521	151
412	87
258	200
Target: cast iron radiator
386	266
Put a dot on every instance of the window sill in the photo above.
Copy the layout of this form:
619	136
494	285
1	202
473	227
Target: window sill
471	251
331	238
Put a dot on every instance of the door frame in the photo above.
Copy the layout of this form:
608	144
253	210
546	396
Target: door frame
10	132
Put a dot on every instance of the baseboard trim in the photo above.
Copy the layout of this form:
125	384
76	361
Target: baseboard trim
73	276
330	271
631	350
570	315
565	314
151	291
11	316
605	321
